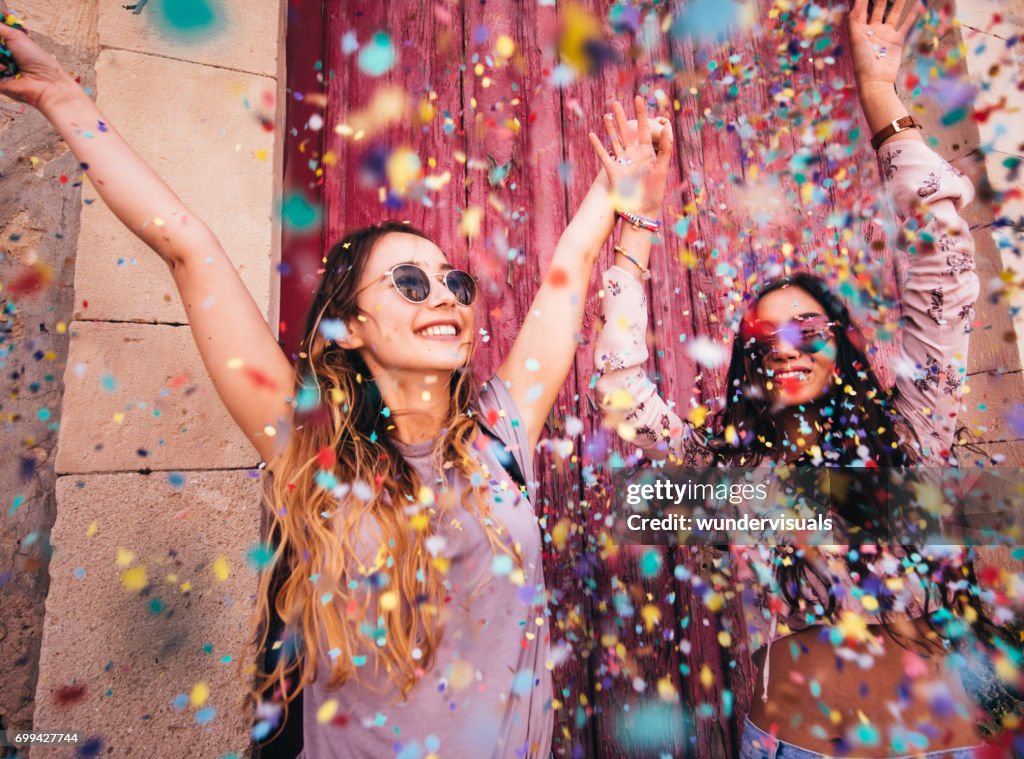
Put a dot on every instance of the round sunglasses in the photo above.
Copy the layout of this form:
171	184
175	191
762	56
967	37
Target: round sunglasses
413	283
809	334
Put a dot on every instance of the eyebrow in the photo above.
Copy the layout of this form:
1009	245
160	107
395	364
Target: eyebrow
423	265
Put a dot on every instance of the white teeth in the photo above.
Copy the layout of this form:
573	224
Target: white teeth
439	330
801	376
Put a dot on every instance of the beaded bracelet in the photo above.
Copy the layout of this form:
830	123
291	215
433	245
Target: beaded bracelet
639	222
645	273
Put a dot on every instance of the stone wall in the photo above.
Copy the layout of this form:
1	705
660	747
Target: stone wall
40	198
151	502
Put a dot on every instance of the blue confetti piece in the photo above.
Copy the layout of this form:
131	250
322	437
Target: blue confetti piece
378	56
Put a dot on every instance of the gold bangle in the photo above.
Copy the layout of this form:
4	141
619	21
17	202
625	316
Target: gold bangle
645	273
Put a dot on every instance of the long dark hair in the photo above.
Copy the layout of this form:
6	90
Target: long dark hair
860	402
882	447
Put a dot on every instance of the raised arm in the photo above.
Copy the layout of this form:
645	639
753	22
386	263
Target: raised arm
941	287
543	352
629	400
249	370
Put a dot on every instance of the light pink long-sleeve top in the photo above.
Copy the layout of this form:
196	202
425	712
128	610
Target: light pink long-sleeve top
938	307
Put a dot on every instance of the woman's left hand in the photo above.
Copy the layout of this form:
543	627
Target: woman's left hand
636	171
876	42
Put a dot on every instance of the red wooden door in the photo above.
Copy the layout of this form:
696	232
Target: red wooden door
771	173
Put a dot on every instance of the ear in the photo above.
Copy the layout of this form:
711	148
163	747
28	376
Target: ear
352	337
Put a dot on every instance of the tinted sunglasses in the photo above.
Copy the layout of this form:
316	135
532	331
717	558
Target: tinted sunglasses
809	334
413	283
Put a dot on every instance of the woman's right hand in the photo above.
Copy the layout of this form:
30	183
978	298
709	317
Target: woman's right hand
638	167
38	71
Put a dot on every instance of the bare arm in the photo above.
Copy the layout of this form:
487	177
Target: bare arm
249	370
876	48
543	352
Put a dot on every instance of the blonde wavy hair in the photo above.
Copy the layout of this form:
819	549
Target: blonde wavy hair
316	583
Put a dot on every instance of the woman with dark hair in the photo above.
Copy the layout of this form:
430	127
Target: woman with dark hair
400	495
870	626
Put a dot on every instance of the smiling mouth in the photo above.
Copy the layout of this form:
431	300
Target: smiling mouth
792	375
439	330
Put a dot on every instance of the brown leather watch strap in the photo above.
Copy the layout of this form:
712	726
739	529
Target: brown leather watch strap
899	125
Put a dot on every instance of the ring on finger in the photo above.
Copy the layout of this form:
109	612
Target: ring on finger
625	161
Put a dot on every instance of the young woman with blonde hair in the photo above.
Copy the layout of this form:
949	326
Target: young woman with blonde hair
413	589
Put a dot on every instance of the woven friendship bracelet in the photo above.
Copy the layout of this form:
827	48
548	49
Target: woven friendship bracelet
639	222
645	273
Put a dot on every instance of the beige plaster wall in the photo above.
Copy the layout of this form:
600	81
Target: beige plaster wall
150	594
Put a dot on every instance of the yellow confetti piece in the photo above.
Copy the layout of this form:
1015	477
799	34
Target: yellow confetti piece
425	495
651	615
460	675
724	639
199	695
626	431
221	570
707	677
560	534
870	603
505	46
714	601
666	690
124	556
91	529
185	586
119	417
389	601
236	363
472	220
697	415
134	579
327	711
419	522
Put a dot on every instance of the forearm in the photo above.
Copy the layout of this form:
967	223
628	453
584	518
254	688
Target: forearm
589	228
130	188
882	106
637	244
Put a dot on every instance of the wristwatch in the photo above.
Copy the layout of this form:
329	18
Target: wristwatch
895	127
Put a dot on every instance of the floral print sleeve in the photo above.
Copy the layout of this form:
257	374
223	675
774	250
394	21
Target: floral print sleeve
939	293
628	397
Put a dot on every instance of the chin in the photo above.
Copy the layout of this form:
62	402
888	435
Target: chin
809	393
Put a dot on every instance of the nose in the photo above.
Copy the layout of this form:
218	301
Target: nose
783	351
440	295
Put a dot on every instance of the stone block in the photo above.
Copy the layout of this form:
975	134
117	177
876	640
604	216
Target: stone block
199	128
994	339
69	24
988	402
245	35
1002	18
138	397
996	68
150	604
1008	454
951	141
980	212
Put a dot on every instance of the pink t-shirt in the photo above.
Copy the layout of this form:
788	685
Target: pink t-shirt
489	693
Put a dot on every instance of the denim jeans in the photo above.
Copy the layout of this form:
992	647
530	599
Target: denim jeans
757	744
